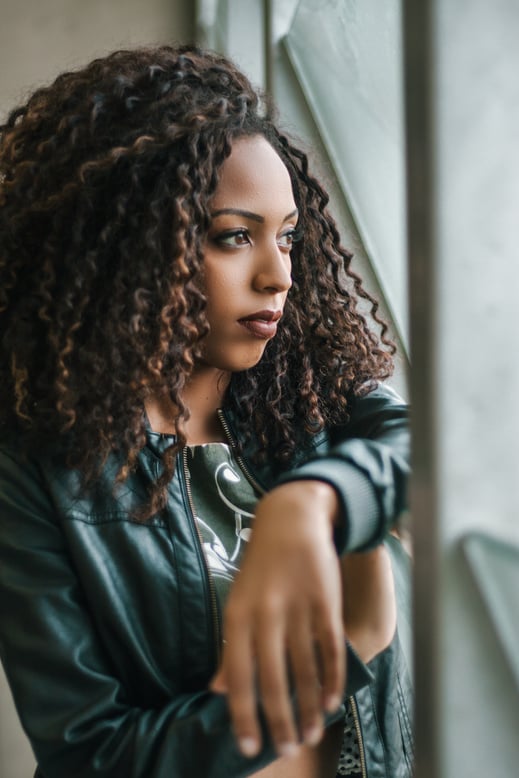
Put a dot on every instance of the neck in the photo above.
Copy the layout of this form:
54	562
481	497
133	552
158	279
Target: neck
203	395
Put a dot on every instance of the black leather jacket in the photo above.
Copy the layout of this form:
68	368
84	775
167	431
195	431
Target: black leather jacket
108	634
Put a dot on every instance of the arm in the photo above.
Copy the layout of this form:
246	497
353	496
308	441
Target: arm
285	606
369	608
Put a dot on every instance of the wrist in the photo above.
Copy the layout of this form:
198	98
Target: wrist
312	497
326	496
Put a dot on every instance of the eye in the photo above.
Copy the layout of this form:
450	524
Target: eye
288	238
233	238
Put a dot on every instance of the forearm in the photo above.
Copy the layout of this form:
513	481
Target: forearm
368	601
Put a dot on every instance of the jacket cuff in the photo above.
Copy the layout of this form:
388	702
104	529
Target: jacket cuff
358	527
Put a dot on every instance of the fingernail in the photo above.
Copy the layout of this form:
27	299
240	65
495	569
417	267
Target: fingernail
313	735
248	746
332	702
287	749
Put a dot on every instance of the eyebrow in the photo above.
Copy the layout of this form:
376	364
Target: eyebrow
249	214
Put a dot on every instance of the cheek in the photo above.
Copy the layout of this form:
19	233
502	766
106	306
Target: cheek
222	285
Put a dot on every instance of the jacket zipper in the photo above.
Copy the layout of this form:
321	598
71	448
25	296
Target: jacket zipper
228	434
355	712
212	590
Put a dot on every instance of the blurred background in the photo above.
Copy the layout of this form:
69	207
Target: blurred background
39	39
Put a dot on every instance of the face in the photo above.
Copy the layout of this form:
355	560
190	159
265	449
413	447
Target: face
247	255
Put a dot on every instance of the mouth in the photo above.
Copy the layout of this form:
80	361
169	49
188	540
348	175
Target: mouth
262	324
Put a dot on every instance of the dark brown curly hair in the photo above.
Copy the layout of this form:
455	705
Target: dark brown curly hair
106	178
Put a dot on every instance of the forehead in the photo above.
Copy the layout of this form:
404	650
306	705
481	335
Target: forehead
254	175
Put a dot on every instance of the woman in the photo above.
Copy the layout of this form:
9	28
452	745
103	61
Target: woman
189	390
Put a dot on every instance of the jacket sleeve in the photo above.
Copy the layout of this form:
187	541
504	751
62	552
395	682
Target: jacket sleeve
368	465
81	720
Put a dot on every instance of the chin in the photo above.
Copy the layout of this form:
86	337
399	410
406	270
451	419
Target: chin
241	367
239	363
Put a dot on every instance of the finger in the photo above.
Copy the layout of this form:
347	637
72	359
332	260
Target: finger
218	684
274	688
238	667
330	644
306	677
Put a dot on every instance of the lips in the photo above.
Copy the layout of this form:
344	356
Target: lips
262	324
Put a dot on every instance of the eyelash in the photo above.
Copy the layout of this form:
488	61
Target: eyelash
295	235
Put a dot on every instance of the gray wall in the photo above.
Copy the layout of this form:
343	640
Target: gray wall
463	145
38	40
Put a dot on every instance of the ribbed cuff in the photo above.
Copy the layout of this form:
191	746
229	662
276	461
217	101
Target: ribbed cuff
358	527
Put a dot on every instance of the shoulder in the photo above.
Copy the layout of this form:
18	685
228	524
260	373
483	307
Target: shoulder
382	398
377	407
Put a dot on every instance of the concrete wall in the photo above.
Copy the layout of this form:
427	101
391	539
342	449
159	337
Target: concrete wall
38	40
463	144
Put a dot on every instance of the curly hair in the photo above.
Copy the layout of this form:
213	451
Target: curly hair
106	179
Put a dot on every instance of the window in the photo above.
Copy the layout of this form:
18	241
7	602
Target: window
335	70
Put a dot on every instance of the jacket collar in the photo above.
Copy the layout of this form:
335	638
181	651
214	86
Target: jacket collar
267	473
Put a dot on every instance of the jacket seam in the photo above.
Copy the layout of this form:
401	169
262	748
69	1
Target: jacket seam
406	722
115	516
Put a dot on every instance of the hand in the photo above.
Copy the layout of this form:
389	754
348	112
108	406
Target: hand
283	620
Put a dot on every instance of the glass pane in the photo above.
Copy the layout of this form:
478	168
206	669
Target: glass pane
347	56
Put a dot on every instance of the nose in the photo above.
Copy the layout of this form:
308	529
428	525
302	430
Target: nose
272	272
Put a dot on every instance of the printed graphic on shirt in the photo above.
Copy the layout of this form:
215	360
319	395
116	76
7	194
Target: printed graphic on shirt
224	504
